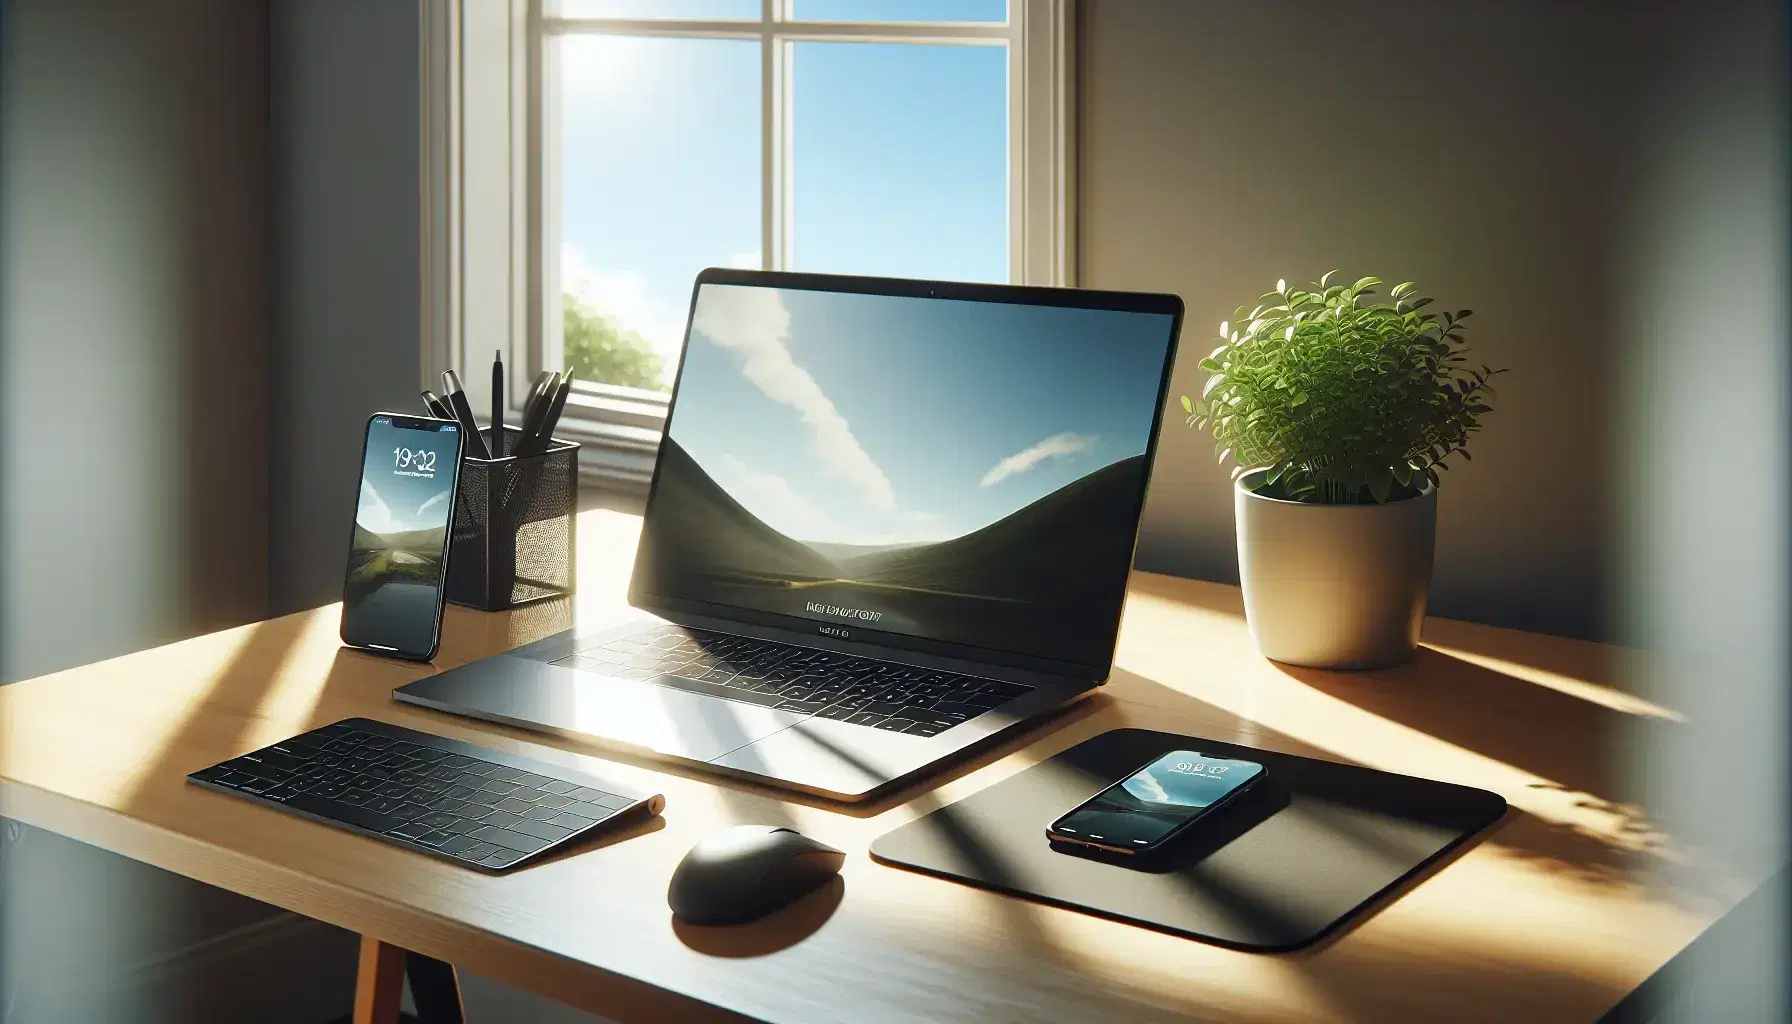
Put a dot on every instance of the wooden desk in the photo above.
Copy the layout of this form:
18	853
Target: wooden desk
1554	918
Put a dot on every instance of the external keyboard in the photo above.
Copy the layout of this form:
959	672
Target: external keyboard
468	804
859	691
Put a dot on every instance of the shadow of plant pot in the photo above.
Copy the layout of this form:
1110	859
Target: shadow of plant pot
1334	586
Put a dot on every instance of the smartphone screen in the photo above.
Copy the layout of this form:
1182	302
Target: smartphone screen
398	559
1147	809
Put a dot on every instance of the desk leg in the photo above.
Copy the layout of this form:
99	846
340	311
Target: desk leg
435	990
379	982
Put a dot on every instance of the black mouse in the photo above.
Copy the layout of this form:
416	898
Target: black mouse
748	871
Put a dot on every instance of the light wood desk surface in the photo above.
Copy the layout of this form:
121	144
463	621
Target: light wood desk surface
1555	917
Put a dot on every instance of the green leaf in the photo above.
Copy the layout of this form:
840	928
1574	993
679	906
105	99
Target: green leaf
1210	365
1300	398
1188	404
1225	328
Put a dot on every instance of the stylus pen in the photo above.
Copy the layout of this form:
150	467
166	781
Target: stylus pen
544	434
539	393
536	408
435	406
498	404
456	399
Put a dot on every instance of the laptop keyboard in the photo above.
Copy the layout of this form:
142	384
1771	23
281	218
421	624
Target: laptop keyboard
859	691
455	800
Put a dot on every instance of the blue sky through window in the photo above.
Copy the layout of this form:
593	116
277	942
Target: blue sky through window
899	152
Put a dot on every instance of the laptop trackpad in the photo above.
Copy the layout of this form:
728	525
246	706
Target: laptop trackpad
530	694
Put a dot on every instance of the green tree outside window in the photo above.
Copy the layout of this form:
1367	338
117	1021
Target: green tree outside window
601	350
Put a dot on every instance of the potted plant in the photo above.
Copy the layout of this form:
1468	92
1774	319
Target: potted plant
1340	411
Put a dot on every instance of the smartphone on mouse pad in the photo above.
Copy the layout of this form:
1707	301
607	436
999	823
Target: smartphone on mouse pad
398	556
1148	809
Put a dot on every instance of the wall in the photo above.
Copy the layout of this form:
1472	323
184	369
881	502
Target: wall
134	323
1702	450
133	382
1469	146
345	200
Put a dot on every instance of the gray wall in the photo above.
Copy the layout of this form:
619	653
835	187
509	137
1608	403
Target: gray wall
1471	146
345	293
1700	454
133	383
133	318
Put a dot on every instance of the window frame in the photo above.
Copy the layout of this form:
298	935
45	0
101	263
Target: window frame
489	183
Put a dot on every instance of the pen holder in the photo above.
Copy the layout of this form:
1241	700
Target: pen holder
515	527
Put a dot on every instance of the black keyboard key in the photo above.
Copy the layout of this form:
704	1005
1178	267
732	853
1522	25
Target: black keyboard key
509	840
278	760
958	711
594	811
503	819
883	707
502	859
865	718
505	774
541	830
803	707
1006	690
926	729
896	724
836	711
515	806
409	830
463	846
499	787
567	819
558	787
360	817
553	799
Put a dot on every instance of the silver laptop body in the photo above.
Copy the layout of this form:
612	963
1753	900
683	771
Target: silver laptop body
890	520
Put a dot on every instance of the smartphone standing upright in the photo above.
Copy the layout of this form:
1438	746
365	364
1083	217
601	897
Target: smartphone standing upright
1149	808
398	555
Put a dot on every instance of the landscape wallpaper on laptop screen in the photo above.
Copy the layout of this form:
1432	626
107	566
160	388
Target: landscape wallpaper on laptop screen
969	472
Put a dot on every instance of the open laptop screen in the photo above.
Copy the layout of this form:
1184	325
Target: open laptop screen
960	471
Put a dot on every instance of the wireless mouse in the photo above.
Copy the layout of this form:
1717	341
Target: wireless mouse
745	872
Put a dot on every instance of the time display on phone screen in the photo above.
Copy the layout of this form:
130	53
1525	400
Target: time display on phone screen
392	598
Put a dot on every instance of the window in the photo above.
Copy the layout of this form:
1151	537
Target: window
590	156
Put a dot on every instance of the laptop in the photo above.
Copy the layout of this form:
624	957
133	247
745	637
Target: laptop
890	521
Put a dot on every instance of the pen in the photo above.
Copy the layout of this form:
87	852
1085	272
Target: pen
497	446
435	406
544	435
536	409
455	397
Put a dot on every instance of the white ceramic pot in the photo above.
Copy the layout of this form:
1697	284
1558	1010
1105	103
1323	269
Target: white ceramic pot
1334	586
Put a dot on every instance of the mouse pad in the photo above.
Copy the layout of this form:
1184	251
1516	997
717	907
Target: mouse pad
1289	861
